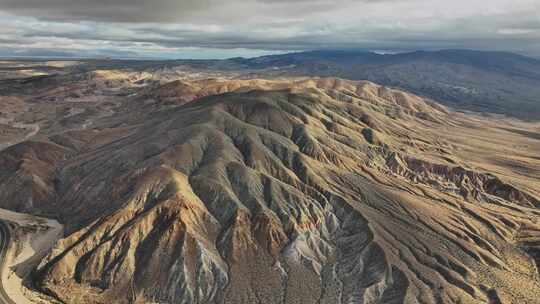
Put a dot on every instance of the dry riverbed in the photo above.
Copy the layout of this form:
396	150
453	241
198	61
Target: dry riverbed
32	239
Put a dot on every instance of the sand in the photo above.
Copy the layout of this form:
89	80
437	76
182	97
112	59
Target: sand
31	246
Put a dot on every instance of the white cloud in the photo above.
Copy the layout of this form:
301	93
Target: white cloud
169	25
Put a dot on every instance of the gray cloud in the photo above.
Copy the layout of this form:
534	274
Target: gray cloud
161	11
105	10
169	27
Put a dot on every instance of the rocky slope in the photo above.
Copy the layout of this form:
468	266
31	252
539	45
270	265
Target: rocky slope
285	191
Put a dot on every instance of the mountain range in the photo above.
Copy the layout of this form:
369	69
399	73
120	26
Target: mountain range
257	181
466	80
494	82
281	191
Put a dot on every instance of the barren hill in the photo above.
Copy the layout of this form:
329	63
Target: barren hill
285	191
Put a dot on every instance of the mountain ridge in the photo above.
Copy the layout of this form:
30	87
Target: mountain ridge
466	80
485	82
310	190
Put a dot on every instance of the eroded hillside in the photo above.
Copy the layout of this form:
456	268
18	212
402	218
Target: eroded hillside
285	191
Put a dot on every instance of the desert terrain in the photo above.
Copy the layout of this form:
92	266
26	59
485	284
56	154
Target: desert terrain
221	183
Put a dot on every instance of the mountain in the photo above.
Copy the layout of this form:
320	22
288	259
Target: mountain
492	82
311	190
465	80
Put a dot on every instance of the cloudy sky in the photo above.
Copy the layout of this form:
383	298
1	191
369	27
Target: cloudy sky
220	28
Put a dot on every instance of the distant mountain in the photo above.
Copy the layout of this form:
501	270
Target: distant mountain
495	82
486	82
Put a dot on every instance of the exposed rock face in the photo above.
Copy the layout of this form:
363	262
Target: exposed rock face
470	184
308	191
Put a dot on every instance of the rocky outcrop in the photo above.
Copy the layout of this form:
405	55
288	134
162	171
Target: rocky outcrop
472	185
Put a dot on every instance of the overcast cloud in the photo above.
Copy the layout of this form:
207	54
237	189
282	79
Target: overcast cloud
218	29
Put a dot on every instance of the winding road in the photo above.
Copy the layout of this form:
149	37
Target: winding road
4	245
